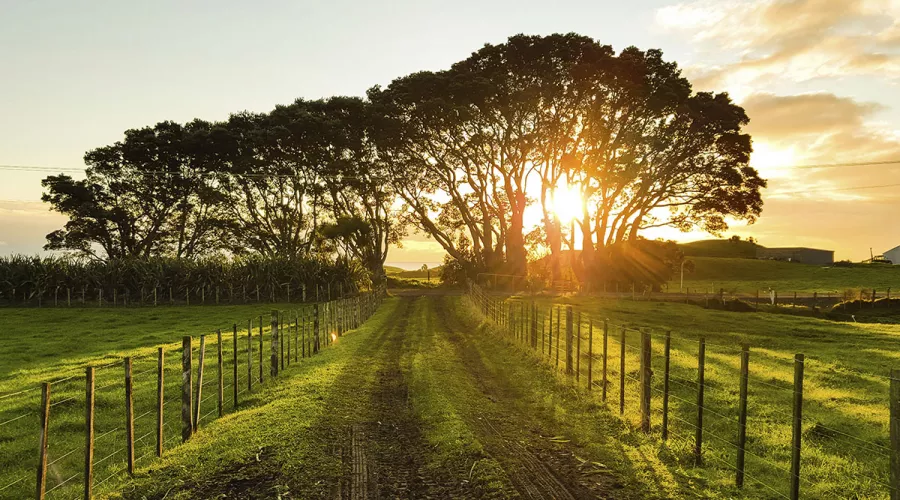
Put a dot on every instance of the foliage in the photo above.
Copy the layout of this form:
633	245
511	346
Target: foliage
450	152
626	129
143	196
639	262
720	248
45	280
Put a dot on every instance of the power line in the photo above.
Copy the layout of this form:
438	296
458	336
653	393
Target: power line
837	165
35	168
830	190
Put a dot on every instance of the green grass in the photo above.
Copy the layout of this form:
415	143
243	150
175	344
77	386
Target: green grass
284	443
434	272
719	248
56	344
845	426
749	275
460	373
397	282
393	270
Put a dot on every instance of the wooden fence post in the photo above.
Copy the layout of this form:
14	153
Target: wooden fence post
88	432
742	415
569	340
45	434
129	419
199	394
303	335
578	349
234	368
261	348
701	369
590	371
605	354
160	395
797	427
273	370
622	372
534	319
279	325
646	374
249	355
187	427
296	337
316	327
557	338
220	375
550	335
894	406
667	349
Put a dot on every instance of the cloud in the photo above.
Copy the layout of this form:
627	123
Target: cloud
794	39
822	128
785	117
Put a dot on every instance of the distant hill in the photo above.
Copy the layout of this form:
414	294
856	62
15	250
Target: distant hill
720	248
418	273
748	275
393	270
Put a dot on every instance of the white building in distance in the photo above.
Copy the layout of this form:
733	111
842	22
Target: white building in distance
893	255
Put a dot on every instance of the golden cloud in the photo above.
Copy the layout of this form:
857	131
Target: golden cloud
796	39
823	128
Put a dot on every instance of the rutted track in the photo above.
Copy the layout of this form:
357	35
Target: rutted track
516	439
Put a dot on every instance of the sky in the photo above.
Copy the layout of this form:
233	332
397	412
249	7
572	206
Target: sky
818	79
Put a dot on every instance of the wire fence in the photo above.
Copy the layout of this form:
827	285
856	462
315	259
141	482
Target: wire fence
95	427
845	301
738	413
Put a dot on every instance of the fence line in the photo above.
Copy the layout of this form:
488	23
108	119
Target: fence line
510	317
326	319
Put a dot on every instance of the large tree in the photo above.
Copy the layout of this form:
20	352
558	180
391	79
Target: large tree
273	192
429	139
656	154
626	130
330	141
149	194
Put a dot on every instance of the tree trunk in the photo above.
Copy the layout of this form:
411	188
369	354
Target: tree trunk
516	256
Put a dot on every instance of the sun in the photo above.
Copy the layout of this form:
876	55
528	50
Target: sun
567	203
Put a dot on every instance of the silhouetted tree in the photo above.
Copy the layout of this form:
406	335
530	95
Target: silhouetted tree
146	195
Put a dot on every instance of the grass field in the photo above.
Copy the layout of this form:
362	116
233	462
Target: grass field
845	423
446	408
747	276
56	344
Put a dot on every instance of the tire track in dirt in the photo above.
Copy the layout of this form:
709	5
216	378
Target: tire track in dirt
387	451
537	469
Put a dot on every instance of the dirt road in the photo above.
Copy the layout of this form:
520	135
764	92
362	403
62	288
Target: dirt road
423	401
392	452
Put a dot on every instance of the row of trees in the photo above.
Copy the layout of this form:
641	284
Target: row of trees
458	154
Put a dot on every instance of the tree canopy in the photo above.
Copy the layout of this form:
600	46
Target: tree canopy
462	155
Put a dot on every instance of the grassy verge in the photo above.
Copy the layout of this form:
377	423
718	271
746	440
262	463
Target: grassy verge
56	344
845	425
285	443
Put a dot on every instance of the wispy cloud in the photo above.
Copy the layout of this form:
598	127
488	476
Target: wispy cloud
822	128
794	39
